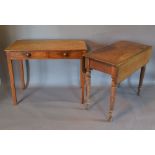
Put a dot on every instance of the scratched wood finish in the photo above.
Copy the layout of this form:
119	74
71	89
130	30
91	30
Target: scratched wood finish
44	49
119	60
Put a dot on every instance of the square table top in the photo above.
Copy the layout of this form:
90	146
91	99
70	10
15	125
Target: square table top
118	52
46	45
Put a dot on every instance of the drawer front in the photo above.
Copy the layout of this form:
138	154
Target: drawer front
66	55
46	55
100	66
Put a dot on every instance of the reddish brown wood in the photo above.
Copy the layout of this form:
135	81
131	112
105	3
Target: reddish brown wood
12	83
46	45
112	99
46	55
142	73
45	49
118	52
120	60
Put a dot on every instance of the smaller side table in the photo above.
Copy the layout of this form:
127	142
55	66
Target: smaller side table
120	60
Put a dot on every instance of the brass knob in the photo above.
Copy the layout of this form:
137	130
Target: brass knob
28	54
65	54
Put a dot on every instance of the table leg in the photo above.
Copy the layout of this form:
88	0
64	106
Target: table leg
12	81
142	73
88	84
112	99
22	74
82	72
82	80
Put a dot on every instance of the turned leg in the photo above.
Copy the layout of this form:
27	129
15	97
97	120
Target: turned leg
82	81
142	73
22	74
88	85
12	81
112	99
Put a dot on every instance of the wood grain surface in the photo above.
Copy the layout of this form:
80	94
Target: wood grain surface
47	45
118	53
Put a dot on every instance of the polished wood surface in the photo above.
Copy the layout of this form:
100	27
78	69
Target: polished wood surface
44	49
47	45
119	60
116	54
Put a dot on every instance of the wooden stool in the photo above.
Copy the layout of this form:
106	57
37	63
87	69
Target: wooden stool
120	60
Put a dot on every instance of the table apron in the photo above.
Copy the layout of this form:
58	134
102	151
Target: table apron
46	55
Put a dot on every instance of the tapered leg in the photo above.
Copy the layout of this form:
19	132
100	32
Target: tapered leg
12	82
142	73
22	74
112	99
82	81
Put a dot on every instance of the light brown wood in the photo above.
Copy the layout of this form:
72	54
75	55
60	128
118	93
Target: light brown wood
45	49
46	45
119	60
112	99
22	74
142	73
100	66
132	65
88	82
12	83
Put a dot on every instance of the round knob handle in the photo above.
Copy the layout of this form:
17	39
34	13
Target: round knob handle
65	54
28	54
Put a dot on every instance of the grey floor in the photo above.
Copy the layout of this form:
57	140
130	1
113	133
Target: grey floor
60	108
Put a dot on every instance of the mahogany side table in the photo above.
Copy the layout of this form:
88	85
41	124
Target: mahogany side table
120	60
43	49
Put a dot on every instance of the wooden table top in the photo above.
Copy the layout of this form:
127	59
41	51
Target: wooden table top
47	45
117	53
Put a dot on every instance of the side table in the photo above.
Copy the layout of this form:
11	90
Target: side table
120	60
43	49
